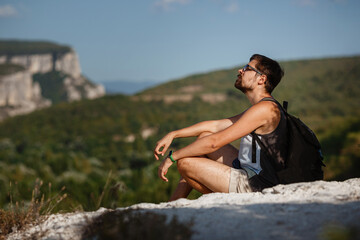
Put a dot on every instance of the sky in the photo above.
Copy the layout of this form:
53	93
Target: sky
162	40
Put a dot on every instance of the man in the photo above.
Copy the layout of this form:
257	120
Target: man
211	164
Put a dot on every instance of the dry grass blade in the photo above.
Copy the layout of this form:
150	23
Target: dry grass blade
21	215
103	192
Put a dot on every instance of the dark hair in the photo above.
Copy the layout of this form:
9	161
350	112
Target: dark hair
270	68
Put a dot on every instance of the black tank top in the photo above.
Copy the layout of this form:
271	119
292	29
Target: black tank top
276	142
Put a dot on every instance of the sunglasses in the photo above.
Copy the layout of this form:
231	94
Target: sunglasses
248	67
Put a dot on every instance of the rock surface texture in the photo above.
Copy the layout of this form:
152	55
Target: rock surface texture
295	211
19	94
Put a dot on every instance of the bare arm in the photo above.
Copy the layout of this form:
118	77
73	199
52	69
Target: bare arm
195	130
254	118
212	126
260	117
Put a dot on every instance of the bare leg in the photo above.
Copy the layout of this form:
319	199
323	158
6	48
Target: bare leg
205	175
198	186
182	190
224	155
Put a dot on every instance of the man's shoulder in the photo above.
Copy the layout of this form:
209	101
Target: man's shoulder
266	106
269	113
266	112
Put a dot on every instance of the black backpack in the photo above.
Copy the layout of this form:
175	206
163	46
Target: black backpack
304	158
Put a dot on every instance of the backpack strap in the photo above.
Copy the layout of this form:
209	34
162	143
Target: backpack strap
284	107
268	99
253	150
256	138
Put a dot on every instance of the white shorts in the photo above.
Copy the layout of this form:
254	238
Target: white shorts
239	181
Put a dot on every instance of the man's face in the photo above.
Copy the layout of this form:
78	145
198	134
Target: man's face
247	78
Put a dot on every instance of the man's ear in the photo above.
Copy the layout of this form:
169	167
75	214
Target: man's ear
262	80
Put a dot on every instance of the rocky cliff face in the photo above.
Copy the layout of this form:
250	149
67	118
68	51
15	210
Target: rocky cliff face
42	63
20	94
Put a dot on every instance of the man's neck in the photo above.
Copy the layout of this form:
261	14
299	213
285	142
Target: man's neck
255	97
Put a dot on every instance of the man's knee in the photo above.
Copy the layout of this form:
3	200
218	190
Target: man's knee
183	164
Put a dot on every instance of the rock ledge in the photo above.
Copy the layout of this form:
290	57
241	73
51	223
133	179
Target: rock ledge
295	211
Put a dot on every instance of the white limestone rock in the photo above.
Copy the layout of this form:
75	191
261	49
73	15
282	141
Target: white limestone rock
15	89
20	95
36	63
80	87
295	211
43	63
92	92
69	63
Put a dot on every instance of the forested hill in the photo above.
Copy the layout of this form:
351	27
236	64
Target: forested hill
317	90
101	149
18	47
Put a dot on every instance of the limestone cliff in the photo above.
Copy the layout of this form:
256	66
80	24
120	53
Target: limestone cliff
19	94
20	62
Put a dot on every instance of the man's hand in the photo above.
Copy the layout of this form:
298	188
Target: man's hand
163	169
163	145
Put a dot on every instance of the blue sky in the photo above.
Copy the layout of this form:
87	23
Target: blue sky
162	40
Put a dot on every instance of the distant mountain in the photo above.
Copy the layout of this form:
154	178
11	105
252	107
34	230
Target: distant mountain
127	87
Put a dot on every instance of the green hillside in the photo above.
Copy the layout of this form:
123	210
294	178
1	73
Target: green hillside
100	151
317	90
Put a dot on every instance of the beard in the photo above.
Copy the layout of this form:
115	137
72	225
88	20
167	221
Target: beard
238	84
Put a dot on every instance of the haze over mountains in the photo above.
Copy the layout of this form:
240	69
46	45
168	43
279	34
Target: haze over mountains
127	87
